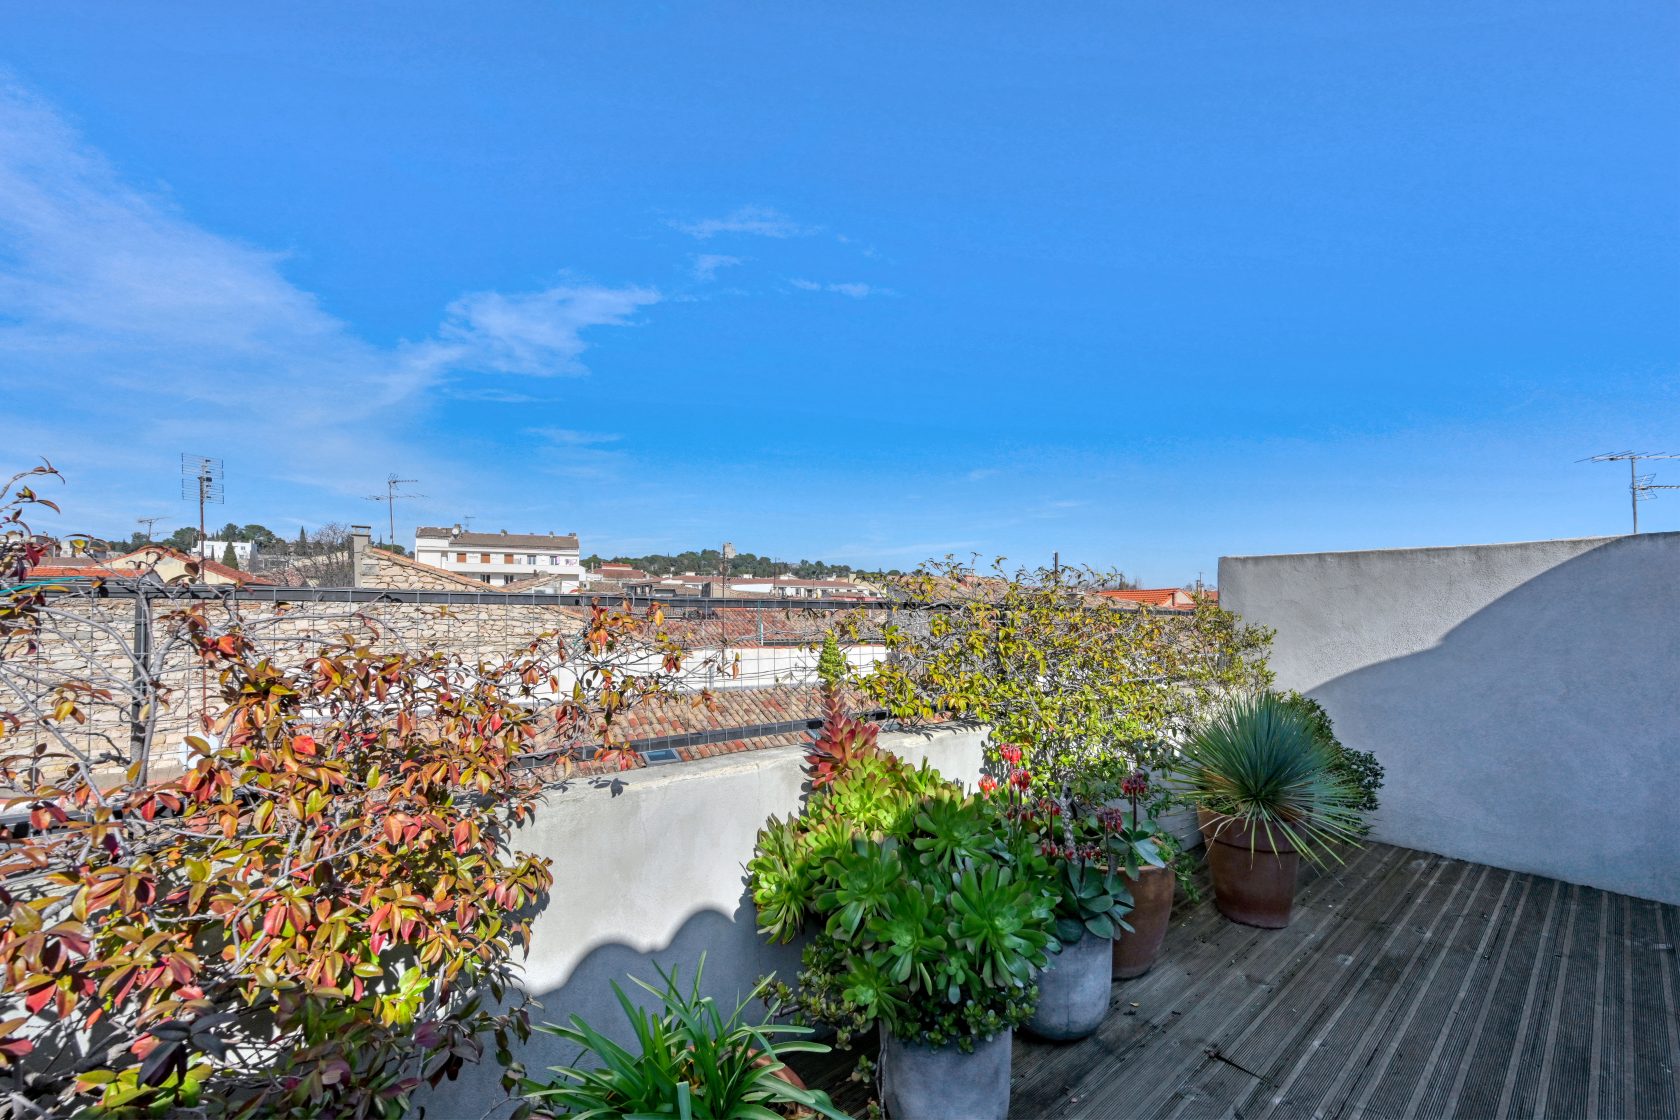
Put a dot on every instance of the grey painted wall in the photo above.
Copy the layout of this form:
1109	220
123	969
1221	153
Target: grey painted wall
655	871
1524	698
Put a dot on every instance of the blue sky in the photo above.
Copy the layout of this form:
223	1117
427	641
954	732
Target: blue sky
1141	284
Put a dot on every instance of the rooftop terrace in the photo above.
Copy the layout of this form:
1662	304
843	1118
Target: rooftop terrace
1409	984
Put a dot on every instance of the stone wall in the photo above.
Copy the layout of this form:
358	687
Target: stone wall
85	638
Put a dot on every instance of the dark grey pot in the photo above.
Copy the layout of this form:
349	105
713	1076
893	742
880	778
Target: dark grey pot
1073	990
923	1083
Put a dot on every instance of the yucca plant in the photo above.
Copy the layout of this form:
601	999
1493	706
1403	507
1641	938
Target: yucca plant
690	1061
1259	762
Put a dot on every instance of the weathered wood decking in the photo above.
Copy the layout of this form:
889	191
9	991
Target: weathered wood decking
1409	985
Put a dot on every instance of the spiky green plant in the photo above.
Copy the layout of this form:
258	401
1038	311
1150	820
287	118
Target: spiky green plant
689	1061
1257	760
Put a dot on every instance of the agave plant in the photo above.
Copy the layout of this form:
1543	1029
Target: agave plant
1258	762
689	1061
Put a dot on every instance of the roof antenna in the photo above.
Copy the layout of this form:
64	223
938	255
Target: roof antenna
1639	486
391	498
201	478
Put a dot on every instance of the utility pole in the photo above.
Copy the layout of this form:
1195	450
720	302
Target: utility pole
1639	487
391	497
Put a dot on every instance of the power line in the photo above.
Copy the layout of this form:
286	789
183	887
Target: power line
1639	487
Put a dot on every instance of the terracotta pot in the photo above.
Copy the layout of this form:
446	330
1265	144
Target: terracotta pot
1253	873
1152	899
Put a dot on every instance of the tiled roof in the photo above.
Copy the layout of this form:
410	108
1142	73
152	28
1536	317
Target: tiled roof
1155	597
148	555
687	714
77	571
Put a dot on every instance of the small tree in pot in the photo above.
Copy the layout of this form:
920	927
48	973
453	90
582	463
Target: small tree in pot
1267	791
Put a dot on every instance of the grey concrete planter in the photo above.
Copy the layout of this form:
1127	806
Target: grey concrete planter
924	1083
1073	990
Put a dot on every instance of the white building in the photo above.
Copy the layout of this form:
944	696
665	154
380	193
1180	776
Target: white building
243	551
501	558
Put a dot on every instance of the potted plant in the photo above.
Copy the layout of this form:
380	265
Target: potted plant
1266	792
1151	884
928	913
688	1060
1090	850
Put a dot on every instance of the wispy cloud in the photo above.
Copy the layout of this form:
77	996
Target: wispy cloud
535	333
571	453
146	332
980	474
706	265
571	437
757	221
852	290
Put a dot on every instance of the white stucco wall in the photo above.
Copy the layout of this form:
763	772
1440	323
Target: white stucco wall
1524	698
656	872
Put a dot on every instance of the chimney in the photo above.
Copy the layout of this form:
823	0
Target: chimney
361	536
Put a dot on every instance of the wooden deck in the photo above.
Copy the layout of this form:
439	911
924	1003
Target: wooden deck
1408	985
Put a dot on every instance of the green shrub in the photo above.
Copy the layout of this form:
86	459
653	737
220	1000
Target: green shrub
930	909
1359	768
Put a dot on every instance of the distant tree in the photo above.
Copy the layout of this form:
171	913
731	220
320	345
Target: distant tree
302	545
396	548
260	537
230	557
184	538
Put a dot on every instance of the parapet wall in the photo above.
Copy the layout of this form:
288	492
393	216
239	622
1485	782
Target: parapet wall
1521	696
651	868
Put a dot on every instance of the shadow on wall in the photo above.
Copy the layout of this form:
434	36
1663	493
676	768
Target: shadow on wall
733	950
1541	733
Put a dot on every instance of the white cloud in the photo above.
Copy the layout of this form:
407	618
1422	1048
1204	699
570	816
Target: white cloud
571	437
852	290
141	331
758	221
706	265
535	333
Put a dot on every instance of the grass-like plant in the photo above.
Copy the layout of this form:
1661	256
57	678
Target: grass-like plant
693	1063
1258	761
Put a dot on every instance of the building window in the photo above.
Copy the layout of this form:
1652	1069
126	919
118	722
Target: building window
530	559
507	558
460	558
484	558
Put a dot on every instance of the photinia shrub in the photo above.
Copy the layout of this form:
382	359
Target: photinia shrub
320	912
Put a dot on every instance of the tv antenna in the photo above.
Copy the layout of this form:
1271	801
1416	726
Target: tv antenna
391	498
1639	486
148	522
201	478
